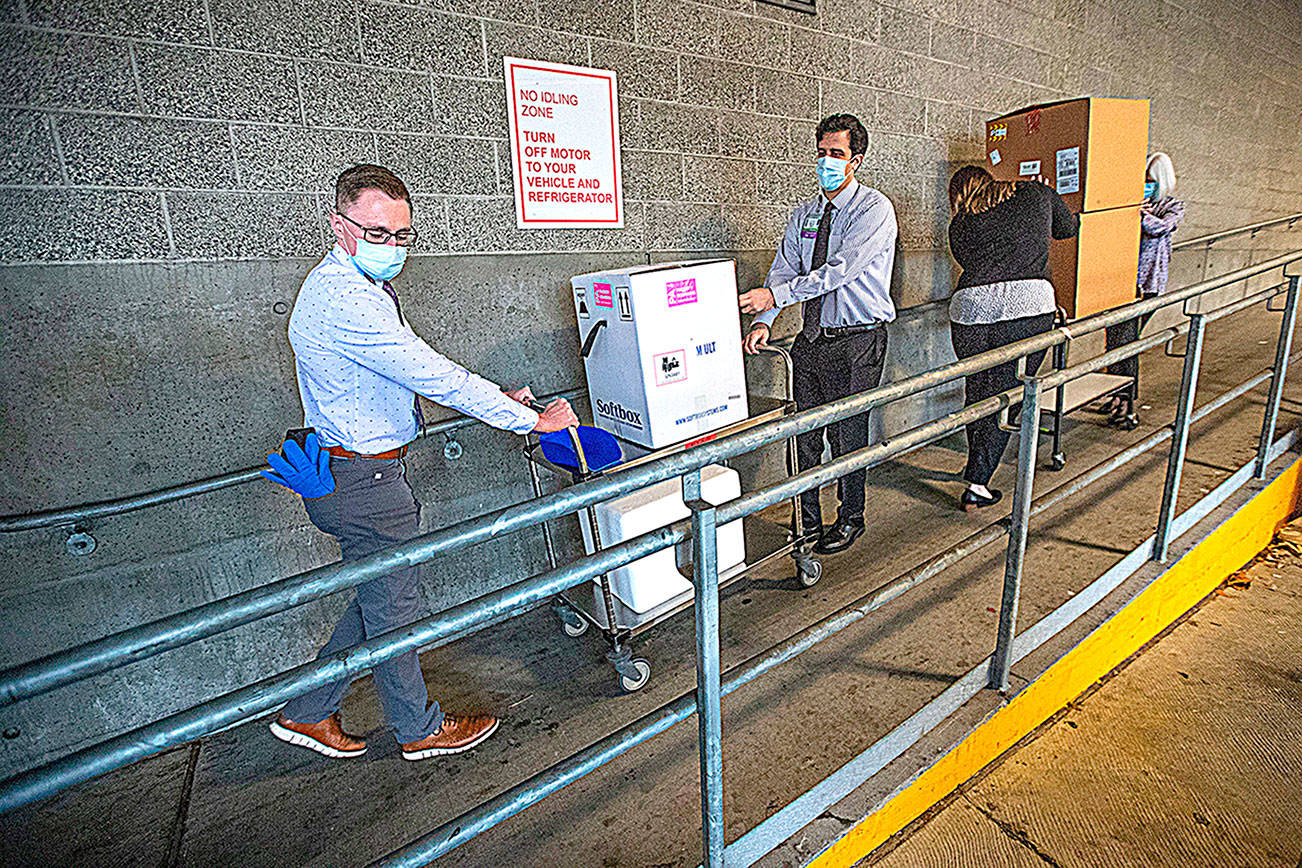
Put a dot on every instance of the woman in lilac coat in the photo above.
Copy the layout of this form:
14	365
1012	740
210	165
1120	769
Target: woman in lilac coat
1159	216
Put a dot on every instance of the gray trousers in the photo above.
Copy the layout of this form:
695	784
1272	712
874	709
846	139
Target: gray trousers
373	507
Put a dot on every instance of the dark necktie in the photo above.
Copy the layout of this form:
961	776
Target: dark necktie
393	295
813	307
415	400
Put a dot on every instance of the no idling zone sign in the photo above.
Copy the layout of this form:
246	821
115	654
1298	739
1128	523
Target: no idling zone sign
564	123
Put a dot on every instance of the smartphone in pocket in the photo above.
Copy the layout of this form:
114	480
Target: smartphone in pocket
299	436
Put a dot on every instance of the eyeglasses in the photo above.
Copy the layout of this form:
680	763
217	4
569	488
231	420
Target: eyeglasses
380	235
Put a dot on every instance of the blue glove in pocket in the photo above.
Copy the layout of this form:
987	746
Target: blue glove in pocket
303	470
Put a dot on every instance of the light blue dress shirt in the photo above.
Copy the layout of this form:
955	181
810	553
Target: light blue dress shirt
359	365
856	281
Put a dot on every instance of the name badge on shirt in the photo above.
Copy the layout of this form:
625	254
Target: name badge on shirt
810	229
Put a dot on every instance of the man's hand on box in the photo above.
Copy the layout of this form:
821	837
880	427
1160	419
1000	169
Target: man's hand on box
757	300
757	339
523	394
556	416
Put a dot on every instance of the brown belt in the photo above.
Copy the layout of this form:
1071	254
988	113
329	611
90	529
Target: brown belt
341	452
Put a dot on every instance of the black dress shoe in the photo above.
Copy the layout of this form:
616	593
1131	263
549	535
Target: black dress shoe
838	538
1124	421
1124	416
971	500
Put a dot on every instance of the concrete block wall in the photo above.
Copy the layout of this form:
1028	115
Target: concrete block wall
166	166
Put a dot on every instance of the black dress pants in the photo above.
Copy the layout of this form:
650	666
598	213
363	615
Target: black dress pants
985	440
827	369
1118	336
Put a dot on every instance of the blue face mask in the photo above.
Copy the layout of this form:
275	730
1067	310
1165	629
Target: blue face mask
831	172
379	261
1150	190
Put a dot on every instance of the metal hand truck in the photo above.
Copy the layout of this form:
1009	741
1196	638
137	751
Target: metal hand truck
618	623
1070	397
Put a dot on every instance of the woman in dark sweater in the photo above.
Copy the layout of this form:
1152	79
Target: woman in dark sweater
999	234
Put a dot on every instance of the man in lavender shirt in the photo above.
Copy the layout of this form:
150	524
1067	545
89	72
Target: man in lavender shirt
834	262
360	367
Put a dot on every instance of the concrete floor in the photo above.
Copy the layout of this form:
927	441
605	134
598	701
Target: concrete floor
241	797
1189	756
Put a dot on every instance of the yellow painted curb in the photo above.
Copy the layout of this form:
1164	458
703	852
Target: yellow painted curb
1170	595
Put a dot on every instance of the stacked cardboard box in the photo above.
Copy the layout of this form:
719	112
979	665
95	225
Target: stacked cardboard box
1093	150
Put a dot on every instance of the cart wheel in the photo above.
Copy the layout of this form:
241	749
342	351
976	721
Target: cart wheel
808	572
574	624
643	668
1058	461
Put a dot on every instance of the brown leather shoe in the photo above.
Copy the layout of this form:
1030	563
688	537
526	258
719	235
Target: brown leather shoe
456	734
327	737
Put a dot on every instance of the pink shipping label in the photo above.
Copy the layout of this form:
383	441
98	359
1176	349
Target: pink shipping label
681	291
602	295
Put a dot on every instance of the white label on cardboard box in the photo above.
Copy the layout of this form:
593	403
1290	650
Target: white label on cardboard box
581	302
995	158
1068	160
1029	167
670	367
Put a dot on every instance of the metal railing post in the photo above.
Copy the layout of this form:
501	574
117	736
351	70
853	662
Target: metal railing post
1057	457
1193	354
1027	446
1282	349
709	693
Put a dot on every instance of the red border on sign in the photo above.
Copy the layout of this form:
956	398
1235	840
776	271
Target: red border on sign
519	158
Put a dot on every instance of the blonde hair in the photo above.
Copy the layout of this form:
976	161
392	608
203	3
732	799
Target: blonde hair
973	190
1162	171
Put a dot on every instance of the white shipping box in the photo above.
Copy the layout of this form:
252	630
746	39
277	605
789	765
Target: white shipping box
666	365
650	581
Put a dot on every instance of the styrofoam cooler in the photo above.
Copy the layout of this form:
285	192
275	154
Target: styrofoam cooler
654	580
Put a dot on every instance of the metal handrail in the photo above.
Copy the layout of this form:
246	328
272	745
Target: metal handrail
128	646
1239	230
1207	240
71	516
146	640
438	629
474	822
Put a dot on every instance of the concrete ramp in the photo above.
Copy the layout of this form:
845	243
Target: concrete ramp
1190	755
